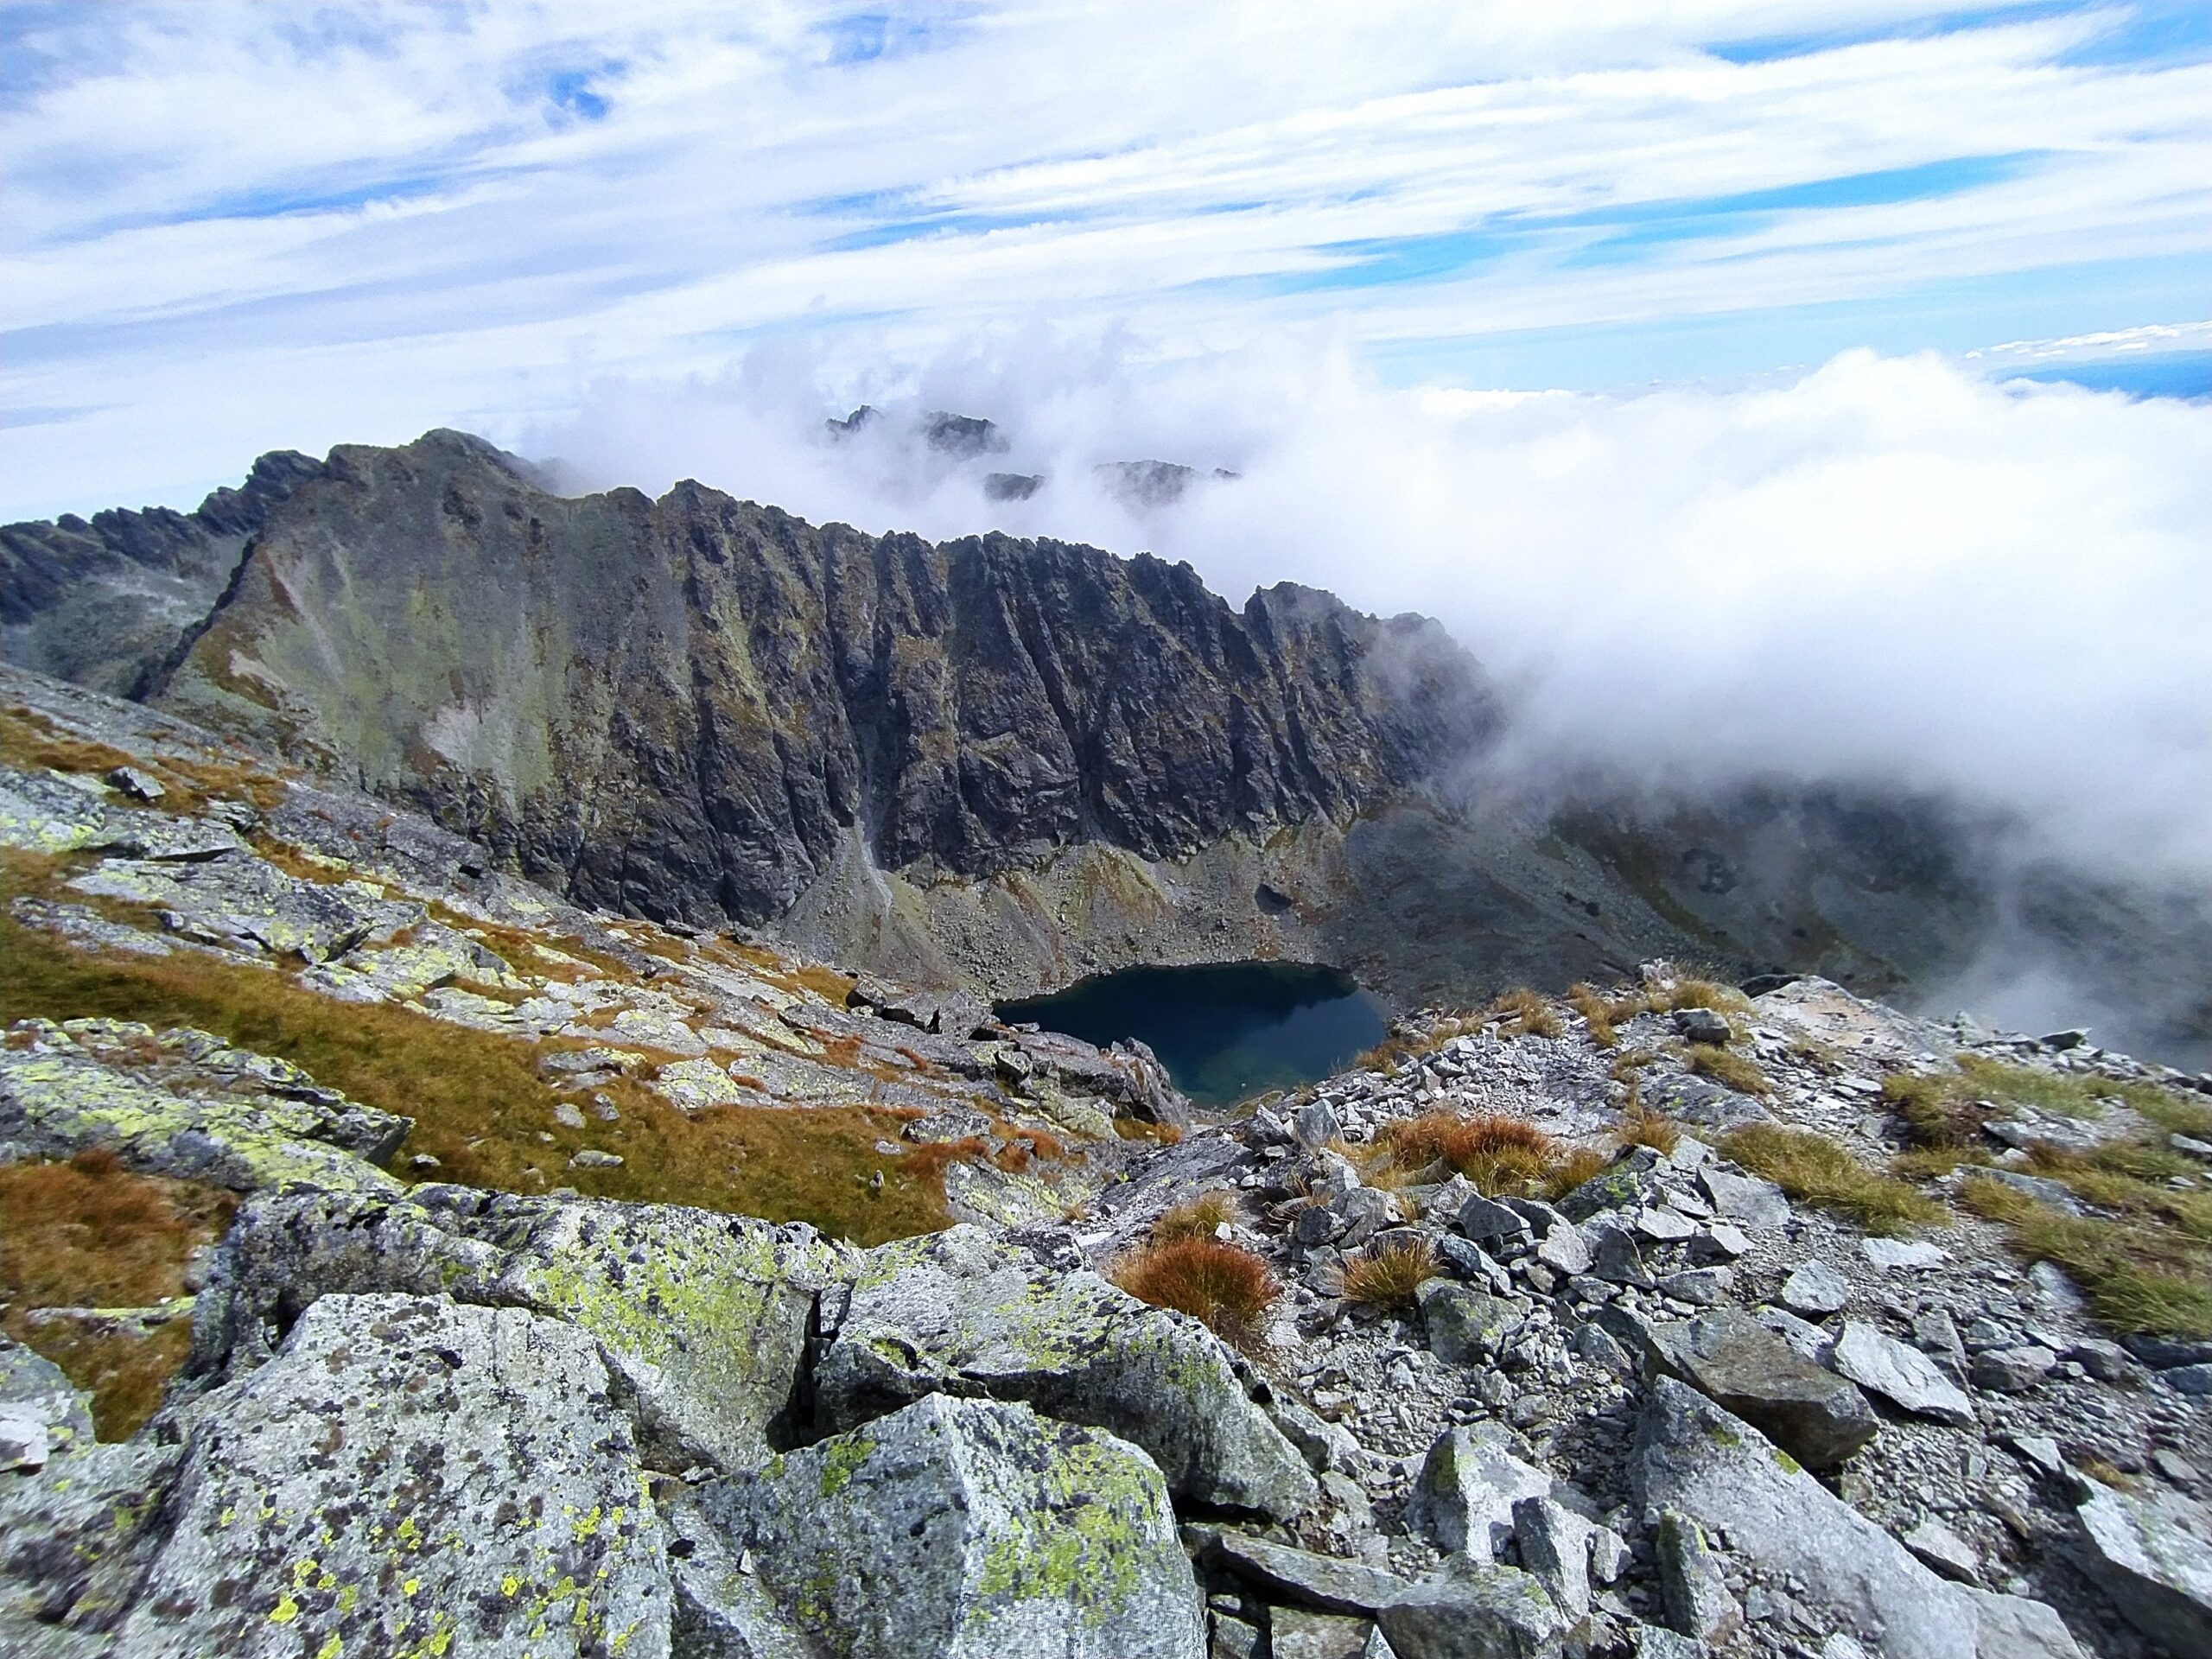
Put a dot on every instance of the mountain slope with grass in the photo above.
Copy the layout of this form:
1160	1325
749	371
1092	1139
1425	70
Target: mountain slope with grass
399	1258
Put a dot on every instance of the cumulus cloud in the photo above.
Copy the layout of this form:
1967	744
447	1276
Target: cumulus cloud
1889	571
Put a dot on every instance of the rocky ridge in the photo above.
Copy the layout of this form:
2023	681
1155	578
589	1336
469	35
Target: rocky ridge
1646	1403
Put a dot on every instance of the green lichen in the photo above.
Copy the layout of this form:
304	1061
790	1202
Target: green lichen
842	1459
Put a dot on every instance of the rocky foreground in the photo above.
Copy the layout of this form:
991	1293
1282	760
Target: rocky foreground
1662	1322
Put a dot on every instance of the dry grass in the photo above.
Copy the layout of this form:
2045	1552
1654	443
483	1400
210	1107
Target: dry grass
1602	1014
1642	1125
88	1233
1387	1277
1527	1014
1576	1166
1138	1129
1504	1157
1815	1169
1228	1289
480	1105
1948	1109
1200	1218
2138	1276
1701	994
29	739
1727	1068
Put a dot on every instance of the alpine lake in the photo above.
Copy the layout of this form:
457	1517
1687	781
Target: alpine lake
1225	1031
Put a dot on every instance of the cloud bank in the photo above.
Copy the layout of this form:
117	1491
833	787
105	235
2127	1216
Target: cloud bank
1887	571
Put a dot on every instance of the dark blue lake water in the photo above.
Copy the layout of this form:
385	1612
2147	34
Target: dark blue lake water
1225	1031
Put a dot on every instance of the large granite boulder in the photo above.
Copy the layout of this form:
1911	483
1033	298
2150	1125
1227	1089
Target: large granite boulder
2151	1553
1814	1415
950	1530
1469	1609
409	1474
1717	1471
43	1416
962	1313
705	1318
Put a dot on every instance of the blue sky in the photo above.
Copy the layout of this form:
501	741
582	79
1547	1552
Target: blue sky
230	228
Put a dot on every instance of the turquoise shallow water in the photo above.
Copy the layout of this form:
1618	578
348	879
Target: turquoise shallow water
1225	1031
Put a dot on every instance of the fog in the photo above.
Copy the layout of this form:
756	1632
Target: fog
1884	571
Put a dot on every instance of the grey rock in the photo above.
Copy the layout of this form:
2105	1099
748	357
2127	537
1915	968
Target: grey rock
1466	1326
1905	1376
1937	1335
137	783
1293	1633
1816	1288
1658	1642
2151	1553
950	1530
76	1536
2014	1627
1699	1286
1665	1225
242	902
1230	1637
2012	1370
1566	1250
1853	1576
1814	1415
1701	1025
961	1314
1482	1218
1469	1609
1327	1583
1939	1548
1463	1497
1314	1125
1910	1253
43	1416
492	1431
1699	1602
1466	1261
1556	1544
1807	1338
1745	1199
706	1318
592	1158
2106	1361
2192	1380
2056	1194
1615	1257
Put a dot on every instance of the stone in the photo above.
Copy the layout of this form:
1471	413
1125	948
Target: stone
1665	1225
1905	1376
1939	1548
1850	1575
1815	1289
2106	1361
1702	1026
1480	1219
76	1536
1314	1125
566	1115
240	901
1745	1199
1326	1583
1463	1497
137	783
1232	1638
1699	1286
1910	1253
592	1158
1554	1544
1466	1326
407	1473
1817	1417
1293	1633
950	1530
2056	1194
1470	1608
2151	1552
1615	1259
1658	1642
1565	1250
1697	1596
2193	1380
964	1313
705	1318
1936	1334
2012	1370
43	1416
2014	1627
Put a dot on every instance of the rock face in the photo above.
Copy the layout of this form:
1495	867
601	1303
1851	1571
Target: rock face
407	1471
106	602
2153	1552
950	1530
753	699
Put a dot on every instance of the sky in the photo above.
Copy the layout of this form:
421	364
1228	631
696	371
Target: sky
1820	388
233	227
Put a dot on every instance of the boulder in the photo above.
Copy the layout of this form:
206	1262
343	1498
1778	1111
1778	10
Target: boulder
1328	1583
1466	1326
2012	1370
1902	1374
1699	1602
1701	1025
75	1537
1470	1608
2151	1553
1294	1633
950	1530
1555	1545
706	1318
1815	1289
1849	1575
409	1474
960	1312
1463	1497
241	902
43	1416
1745	1198
1816	1416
